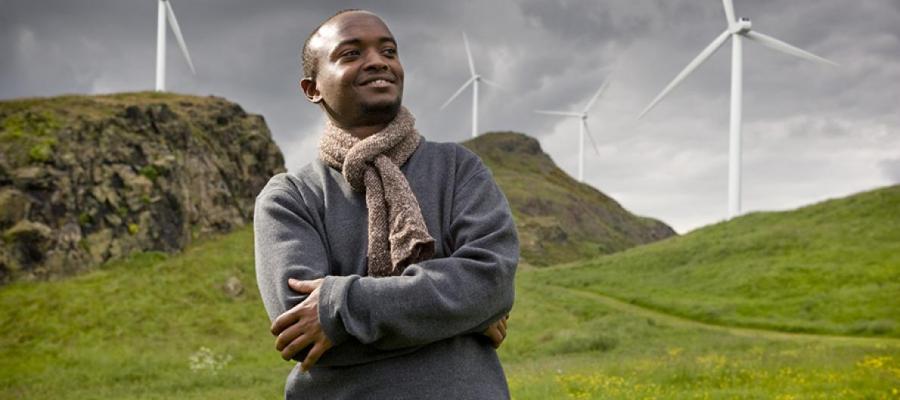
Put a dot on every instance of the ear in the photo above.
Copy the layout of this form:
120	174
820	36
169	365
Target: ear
308	86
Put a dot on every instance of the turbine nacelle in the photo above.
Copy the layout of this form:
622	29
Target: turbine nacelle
741	26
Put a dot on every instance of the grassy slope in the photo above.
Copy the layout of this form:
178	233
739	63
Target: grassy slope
833	267
132	326
566	346
129	329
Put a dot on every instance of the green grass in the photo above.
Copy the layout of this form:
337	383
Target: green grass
129	330
558	348
832	267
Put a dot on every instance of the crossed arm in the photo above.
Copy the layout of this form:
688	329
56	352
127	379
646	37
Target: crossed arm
299	327
469	292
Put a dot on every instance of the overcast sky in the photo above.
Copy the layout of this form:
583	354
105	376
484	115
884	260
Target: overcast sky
811	131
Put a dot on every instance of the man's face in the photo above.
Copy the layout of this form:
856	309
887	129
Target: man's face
359	79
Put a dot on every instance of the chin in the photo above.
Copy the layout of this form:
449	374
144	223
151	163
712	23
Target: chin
380	111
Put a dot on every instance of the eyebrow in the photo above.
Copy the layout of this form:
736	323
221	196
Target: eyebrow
383	39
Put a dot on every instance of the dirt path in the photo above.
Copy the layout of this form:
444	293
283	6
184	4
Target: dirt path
677	321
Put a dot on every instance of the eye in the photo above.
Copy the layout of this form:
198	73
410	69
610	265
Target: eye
390	51
350	53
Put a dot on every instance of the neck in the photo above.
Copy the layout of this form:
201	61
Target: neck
365	122
362	132
362	129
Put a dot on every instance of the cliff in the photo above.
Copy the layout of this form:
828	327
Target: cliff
87	179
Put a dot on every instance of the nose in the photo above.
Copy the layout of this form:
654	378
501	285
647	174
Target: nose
375	62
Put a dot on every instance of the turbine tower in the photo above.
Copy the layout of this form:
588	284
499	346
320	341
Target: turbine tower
473	80
165	12
582	127
737	30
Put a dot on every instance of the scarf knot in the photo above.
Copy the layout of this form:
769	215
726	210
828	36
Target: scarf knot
397	232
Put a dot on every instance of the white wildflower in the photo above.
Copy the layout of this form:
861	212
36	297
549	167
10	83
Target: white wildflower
208	361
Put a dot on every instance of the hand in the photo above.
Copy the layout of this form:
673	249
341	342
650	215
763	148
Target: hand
497	332
299	327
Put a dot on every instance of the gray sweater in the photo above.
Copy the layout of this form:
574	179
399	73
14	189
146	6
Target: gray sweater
417	335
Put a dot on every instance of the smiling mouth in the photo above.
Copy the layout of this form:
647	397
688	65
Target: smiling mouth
378	83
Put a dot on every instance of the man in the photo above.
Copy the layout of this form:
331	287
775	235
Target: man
387	264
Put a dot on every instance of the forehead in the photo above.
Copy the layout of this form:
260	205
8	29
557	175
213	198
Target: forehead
360	26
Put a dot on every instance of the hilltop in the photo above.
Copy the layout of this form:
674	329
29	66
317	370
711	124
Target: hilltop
831	267
559	219
89	179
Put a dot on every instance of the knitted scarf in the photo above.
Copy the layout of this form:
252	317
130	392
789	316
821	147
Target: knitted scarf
397	232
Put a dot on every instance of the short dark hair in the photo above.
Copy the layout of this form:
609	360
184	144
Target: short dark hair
309	60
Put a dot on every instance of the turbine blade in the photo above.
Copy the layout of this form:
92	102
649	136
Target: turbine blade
177	31
708	51
494	84
783	47
469	54
597	95
591	136
729	11
461	88
563	113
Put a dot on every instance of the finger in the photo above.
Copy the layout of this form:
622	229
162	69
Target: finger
304	286
313	356
283	321
298	285
298	344
491	326
502	329
503	322
495	337
287	336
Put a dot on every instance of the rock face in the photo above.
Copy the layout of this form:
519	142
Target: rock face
558	219
88	179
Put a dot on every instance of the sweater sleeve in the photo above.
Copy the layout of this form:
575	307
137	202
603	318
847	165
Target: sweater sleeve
438	298
286	245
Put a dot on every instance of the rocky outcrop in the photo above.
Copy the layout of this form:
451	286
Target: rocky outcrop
88	179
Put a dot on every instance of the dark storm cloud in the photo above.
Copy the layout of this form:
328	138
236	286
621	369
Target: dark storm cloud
827	126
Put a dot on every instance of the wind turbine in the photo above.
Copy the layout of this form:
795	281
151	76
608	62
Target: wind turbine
582	127
737	30
164	12
473	80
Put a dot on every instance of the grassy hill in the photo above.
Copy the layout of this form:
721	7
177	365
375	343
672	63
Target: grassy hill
158	326
559	219
832	267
